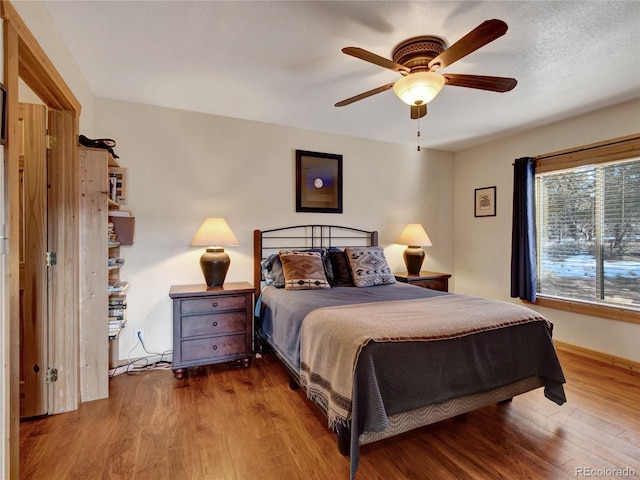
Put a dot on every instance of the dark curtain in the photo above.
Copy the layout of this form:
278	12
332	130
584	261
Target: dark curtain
523	236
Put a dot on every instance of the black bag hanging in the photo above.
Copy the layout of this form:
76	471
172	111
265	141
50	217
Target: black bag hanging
106	143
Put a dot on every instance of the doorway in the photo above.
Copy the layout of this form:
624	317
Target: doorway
24	58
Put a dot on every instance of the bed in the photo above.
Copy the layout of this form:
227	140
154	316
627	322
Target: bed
380	357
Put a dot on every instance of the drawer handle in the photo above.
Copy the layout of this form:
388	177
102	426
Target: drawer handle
215	347
214	324
215	304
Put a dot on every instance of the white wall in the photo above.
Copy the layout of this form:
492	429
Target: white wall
184	167
483	245
37	18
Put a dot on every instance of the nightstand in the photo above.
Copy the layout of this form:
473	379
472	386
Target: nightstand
211	325
431	280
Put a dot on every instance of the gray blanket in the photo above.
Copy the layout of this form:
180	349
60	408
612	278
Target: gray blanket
282	311
332	338
393	377
387	372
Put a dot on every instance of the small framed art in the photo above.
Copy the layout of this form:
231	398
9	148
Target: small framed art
485	204
318	182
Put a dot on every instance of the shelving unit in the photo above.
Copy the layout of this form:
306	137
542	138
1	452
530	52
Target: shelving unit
117	308
117	287
102	291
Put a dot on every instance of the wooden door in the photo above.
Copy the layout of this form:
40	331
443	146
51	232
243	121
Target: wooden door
48	333
33	269
64	277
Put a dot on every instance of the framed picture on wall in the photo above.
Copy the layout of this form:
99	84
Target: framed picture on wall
485	204
318	182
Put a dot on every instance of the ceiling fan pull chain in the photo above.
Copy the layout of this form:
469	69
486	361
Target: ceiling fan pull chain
418	135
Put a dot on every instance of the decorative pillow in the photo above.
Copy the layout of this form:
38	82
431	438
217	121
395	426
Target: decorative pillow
303	271
272	271
340	268
272	267
328	267
368	266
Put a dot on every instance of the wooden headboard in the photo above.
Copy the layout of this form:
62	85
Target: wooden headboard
267	242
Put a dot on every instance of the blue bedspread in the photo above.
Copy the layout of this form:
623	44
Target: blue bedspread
432	372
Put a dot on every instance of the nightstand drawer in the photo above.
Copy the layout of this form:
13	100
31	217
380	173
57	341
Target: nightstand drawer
213	324
433	284
215	304
204	348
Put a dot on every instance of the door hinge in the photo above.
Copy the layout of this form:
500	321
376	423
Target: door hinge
52	259
51	141
52	375
3	238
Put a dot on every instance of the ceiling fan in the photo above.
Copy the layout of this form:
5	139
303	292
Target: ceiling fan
418	59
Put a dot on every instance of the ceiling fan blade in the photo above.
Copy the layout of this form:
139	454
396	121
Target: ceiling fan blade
364	95
494	84
418	111
483	34
367	56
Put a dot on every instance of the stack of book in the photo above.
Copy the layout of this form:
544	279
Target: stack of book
117	286
118	184
117	315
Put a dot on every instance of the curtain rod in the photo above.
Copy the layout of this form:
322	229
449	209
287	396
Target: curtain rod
594	146
588	147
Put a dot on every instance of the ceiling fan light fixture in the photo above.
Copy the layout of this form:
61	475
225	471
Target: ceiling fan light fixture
419	88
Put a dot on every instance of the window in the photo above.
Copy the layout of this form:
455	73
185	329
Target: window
588	228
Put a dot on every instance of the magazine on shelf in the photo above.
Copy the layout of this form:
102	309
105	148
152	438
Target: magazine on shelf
119	175
119	213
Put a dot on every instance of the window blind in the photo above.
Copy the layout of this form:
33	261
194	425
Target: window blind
588	223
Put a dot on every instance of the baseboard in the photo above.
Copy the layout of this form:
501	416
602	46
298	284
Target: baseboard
600	356
565	347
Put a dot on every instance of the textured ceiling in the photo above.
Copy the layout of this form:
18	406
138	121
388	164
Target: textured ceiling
281	62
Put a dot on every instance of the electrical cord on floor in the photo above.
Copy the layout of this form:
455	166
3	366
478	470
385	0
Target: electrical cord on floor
162	360
142	364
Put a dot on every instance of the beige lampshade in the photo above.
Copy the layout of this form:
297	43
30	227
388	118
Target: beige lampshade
214	232
419	88
414	235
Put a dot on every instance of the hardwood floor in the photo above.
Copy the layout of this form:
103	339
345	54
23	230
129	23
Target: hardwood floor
229	423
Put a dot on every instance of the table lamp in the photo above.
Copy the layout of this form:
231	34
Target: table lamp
414	237
214	233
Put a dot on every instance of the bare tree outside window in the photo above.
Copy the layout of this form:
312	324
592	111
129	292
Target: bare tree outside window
588	223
